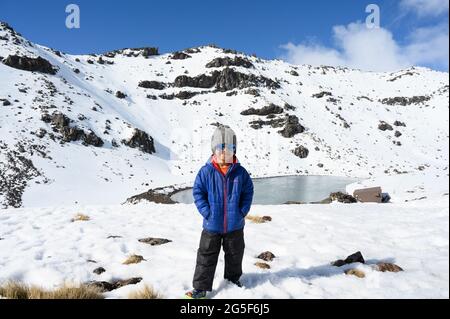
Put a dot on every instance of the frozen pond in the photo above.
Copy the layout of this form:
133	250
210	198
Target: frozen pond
279	190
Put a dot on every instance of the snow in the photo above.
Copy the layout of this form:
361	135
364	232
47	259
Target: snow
42	246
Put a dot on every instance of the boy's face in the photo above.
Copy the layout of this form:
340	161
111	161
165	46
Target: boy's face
224	155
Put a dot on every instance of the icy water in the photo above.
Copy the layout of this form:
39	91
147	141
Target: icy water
279	190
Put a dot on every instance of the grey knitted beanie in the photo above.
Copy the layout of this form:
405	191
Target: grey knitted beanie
223	135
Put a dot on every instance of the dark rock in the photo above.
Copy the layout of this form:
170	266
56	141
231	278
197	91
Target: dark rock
167	96
179	56
354	258
397	134
6	103
383	126
266	110
77	71
105	286
404	101
141	140
342	198
91	139
322	94
266	256
30	64
99	270
301	152
185	95
293	73
292	127
225	80
120	95
398	123
152	85
227	61
154	241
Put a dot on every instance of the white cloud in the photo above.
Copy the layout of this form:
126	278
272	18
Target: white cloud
426	7
357	46
429	46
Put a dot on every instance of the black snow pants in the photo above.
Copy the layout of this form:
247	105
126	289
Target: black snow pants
208	254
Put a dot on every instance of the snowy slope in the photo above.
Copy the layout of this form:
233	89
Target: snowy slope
41	246
341	129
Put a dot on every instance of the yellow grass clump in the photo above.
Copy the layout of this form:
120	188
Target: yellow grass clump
17	290
146	292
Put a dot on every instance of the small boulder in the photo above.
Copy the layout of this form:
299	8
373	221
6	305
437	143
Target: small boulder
99	270
354	258
388	267
355	272
266	256
262	265
154	241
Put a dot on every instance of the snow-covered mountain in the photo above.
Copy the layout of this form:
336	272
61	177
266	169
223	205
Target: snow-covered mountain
97	129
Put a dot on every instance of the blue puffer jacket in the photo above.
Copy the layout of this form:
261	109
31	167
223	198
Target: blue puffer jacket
223	201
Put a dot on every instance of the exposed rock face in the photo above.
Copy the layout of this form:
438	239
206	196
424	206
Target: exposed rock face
30	64
15	172
322	94
106	286
120	95
225	80
227	61
266	110
133	52
61	124
99	270
383	126
301	152
403	101
342	198
398	123
292	127
262	265
152	85
179	56
141	140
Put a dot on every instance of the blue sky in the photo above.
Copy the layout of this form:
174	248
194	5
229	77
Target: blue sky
297	31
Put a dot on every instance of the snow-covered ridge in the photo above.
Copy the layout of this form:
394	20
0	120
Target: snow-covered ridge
106	127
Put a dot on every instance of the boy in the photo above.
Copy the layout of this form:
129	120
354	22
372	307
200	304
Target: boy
223	194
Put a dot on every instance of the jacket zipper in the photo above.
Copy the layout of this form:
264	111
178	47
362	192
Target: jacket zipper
224	205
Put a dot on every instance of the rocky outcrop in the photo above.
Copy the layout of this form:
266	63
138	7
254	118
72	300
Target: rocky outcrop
105	286
301	152
383	126
292	127
227	61
404	101
30	64
152	85
140	140
322	94
266	110
120	95
342	198
225	80
61	123
179	56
